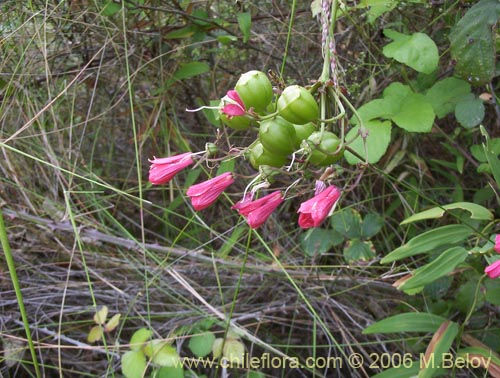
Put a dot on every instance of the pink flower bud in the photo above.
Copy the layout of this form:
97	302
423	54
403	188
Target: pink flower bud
497	243
233	105
163	170
493	270
256	212
206	193
314	211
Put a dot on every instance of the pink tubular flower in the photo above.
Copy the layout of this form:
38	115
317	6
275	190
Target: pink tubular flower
256	212
163	170
497	243
315	210
206	193
493	270
233	104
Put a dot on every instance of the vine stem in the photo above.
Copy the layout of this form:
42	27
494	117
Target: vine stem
17	289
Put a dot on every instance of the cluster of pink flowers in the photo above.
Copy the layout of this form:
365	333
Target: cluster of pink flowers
311	212
493	270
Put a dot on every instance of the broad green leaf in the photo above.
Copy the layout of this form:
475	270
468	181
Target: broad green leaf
347	222
317	241
376	143
467	298
376	8
226	39
445	94
162	353
378	108
472	43
444	264
372	223
417	51
407	322
400	372
245	24
470	112
139	338
437	349
185	32
476	212
415	115
491	156
134	364
201	344
429	241
358	250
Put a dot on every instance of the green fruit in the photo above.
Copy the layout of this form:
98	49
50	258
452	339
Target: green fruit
297	105
303	132
277	136
329	142
255	90
258	156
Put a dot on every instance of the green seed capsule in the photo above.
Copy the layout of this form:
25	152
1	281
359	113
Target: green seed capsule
329	142
258	156
297	105
277	136
255	90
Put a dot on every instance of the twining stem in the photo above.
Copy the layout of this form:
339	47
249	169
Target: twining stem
15	282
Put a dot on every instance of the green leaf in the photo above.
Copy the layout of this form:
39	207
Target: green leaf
472	43
134	364
201	344
226	39
101	315
229	244
415	114
170	372
377	141
489	359
139	338
437	349
317	241
378	108
190	69
234	351
429	241
493	291
185	32
96	333
372	223
445	94
444	264
407	322
357	250
348	223
162	353
476	212
467	298
245	24
113	323
110	8
376	8
417	51
470	112
491	156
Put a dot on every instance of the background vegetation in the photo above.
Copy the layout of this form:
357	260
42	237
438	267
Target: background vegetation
90	90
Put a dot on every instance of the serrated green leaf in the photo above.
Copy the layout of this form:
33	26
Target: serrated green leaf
476	212
407	322
245	24
201	345
134	364
377	141
428	241
472	43
438	348
470	113
358	250
417	51
445	94
444	264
